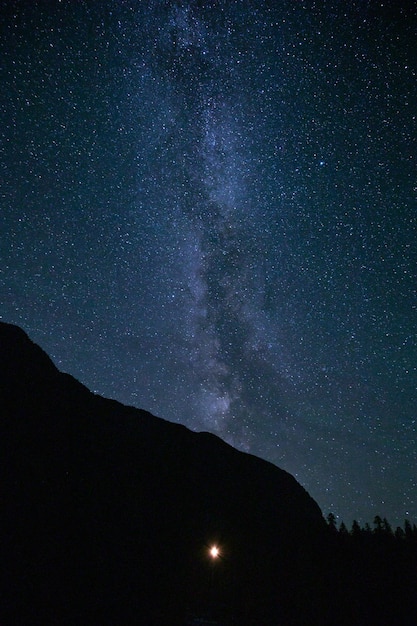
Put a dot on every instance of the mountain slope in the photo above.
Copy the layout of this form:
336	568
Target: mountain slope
109	513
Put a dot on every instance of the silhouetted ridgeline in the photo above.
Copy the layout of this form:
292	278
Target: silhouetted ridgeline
109	512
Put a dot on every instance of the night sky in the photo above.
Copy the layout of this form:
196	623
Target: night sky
208	211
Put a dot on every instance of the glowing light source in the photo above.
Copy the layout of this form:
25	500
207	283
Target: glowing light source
214	552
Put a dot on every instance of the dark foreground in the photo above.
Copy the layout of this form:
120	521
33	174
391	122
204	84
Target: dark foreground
109	514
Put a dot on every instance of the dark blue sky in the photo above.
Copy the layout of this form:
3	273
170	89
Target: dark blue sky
208	210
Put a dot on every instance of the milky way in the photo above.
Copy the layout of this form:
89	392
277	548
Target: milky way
209	212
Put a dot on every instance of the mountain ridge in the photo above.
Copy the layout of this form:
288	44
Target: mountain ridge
12	336
109	515
99	495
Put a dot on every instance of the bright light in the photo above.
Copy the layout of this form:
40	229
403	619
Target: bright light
214	552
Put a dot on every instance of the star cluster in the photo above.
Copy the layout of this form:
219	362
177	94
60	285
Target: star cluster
209	212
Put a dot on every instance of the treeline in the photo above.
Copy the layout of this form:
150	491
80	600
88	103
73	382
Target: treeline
372	573
381	528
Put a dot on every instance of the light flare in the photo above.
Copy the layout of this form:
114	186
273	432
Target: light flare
214	552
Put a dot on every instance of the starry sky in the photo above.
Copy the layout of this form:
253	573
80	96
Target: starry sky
208	210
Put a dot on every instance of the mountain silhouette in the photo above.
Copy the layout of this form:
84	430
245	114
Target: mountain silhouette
110	511
109	515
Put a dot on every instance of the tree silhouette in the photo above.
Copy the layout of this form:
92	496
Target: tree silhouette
378	524
331	522
356	530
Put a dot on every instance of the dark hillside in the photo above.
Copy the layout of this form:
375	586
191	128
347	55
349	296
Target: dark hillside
108	515
109	510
